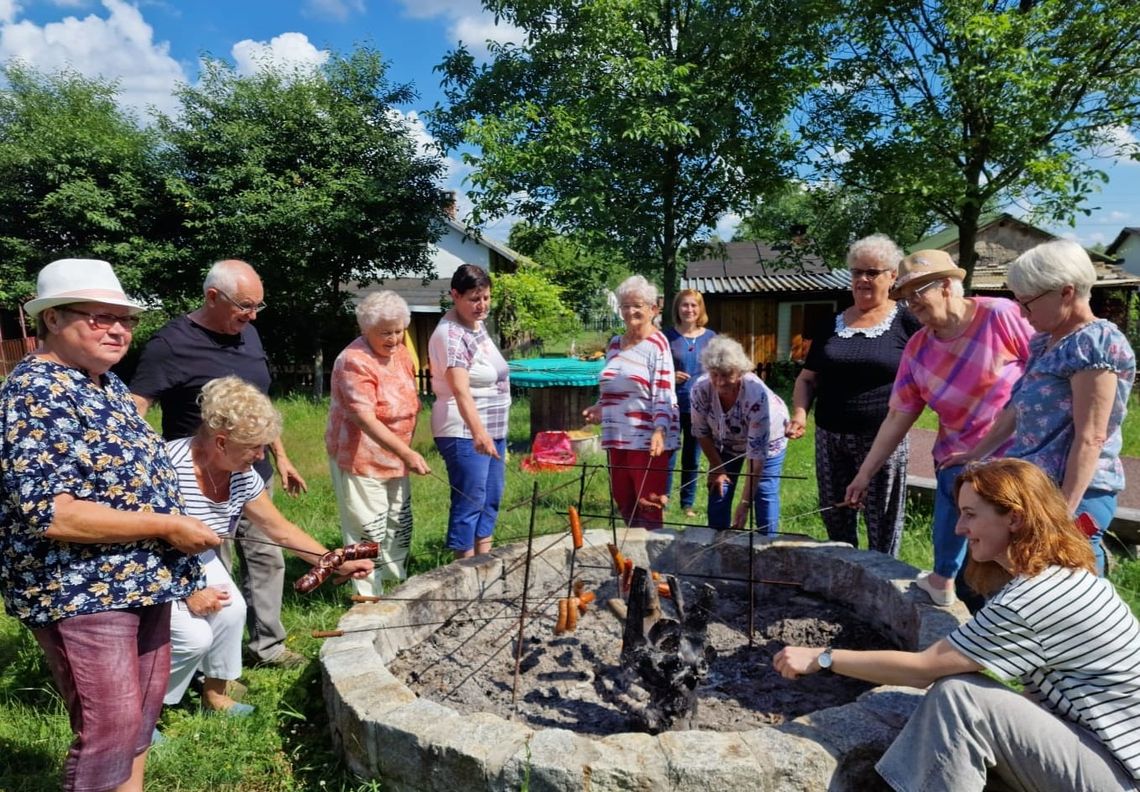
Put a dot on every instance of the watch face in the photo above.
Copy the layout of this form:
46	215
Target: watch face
824	659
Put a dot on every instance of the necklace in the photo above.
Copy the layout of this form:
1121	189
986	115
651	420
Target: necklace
216	492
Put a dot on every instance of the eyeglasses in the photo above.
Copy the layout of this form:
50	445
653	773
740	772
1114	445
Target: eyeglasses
905	301
1030	301
633	306
246	307
869	274
105	321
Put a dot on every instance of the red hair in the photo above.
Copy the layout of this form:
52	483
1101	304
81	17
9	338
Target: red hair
1048	535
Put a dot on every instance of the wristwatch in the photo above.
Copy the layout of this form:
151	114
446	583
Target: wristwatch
824	660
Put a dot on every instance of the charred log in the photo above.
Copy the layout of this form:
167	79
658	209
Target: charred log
663	660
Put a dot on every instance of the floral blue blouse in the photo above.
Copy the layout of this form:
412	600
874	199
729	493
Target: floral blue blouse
1043	400
59	433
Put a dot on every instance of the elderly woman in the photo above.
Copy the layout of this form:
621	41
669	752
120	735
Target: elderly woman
688	338
1065	414
848	376
962	364
736	417
94	546
220	486
638	408
1063	633
472	390
372	416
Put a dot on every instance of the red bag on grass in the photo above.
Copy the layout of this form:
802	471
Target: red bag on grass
550	451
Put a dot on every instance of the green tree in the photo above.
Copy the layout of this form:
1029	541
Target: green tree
962	105
313	178
829	218
639	122
79	178
582	272
529	308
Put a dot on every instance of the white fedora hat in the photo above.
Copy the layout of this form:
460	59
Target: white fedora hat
78	280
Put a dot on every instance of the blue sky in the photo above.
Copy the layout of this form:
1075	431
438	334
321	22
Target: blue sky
150	46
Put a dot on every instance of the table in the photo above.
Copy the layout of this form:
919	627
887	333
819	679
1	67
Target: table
560	389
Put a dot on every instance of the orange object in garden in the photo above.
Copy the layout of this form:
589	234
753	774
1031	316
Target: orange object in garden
575	527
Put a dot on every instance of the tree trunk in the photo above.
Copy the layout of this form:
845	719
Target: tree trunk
967	239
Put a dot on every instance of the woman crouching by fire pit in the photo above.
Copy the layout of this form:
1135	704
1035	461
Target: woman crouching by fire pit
1051	623
736	417
220	486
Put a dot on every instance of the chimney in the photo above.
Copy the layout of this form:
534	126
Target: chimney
451	206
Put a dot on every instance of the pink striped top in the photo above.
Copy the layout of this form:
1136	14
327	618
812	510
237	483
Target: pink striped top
637	394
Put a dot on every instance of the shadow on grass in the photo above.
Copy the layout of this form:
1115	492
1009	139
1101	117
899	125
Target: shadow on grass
28	768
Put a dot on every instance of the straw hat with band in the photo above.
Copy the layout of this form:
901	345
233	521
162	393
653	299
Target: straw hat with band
68	281
923	267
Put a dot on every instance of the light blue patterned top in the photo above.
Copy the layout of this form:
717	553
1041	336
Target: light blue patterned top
1043	400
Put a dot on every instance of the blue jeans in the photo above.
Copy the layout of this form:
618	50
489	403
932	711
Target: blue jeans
765	497
690	453
949	548
1101	506
477	489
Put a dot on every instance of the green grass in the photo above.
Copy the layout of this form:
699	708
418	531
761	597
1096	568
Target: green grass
285	745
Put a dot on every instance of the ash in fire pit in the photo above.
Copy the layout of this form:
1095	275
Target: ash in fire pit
577	681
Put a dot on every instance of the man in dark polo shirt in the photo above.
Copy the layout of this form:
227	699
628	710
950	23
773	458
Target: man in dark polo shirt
217	340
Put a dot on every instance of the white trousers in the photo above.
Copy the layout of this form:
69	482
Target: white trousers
211	643
380	511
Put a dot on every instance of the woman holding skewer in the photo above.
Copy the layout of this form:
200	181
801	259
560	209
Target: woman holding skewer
472	388
220	486
637	408
372	417
1050	623
736	417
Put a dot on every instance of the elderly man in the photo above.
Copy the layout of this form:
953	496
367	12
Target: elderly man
217	340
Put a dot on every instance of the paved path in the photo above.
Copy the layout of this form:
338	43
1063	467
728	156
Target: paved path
922	464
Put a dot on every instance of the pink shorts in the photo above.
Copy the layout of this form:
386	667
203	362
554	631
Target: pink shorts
111	670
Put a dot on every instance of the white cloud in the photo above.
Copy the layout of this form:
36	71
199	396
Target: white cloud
289	50
335	9
727	225
9	10
468	22
69	3
120	47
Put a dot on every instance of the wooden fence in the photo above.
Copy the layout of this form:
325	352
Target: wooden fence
12	351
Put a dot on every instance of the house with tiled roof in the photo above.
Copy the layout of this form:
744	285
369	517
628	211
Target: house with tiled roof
770	297
1126	249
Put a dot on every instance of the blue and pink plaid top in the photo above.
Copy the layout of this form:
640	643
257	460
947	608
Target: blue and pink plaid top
965	380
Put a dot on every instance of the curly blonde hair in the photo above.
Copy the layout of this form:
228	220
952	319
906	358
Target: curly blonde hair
233	407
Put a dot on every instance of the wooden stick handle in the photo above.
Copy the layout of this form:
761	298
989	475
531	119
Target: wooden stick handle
327	633
363	598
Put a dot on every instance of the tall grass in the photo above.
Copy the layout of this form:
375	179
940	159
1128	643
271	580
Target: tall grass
285	745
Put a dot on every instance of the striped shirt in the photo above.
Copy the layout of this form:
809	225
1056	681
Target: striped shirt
638	395
1075	647
221	517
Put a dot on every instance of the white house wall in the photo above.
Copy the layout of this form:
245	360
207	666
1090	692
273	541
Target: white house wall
454	249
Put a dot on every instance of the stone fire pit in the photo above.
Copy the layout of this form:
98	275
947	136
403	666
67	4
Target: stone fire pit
385	731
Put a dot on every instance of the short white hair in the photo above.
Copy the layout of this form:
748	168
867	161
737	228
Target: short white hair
223	275
382	306
1050	266
637	286
880	248
725	355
